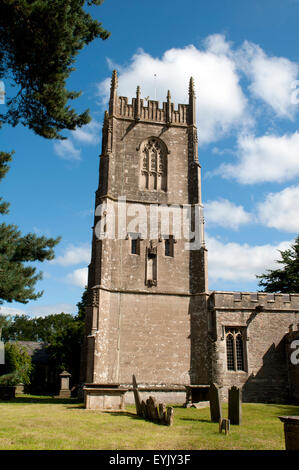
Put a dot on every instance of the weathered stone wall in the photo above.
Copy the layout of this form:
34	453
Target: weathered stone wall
167	396
167	329
292	357
153	327
265	319
150	336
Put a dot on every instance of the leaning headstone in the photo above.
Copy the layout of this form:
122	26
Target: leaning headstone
162	410
224	424
153	409
156	412
169	416
136	396
215	403
235	405
143	410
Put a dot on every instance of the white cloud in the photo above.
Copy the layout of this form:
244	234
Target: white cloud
220	100
66	150
226	214
74	255
44	310
38	310
269	158
88	134
280	210
11	311
235	262
78	277
271	78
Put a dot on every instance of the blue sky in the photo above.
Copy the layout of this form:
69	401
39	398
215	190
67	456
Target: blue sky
244	58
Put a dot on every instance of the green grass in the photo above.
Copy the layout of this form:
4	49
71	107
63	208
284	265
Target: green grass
46	423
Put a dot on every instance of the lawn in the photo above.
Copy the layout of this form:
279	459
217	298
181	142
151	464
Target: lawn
45	423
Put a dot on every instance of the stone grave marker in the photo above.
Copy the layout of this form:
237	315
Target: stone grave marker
215	403
169	416
137	397
162	410
224	424
235	405
64	384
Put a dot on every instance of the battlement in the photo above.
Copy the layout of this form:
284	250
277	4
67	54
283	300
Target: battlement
152	111
259	301
138	110
293	331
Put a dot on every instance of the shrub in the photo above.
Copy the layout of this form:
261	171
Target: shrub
18	366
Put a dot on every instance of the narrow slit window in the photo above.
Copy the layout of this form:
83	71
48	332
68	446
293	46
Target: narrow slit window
135	246
239	352
169	246
230	352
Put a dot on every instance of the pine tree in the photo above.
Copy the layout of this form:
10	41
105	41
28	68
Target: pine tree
285	279
17	278
39	41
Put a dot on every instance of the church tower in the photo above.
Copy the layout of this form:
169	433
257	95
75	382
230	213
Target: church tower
147	279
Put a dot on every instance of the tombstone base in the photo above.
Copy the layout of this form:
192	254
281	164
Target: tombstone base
104	397
64	394
291	431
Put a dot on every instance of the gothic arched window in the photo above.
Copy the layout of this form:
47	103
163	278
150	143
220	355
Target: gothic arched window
153	165
234	349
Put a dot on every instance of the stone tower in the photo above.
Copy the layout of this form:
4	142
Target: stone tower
147	288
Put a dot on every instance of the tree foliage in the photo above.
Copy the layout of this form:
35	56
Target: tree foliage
62	332
39	41
40	329
18	366
17	278
285	279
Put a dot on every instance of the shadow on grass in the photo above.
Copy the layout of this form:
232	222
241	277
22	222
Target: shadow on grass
43	400
290	410
197	420
122	413
132	416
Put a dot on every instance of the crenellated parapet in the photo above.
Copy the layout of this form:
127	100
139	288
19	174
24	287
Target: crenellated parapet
259	301
150	110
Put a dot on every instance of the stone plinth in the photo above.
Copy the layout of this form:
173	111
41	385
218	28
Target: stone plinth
291	431
65	385
104	397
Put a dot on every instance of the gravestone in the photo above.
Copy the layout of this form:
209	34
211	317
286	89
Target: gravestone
291	431
224	424
153	409
215	403
144	410
65	385
235	405
169	416
162	410
137	397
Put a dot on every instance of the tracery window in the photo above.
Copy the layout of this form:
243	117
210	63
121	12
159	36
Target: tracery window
235	348
153	165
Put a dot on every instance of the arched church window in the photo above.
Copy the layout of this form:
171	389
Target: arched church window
153	165
235	349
